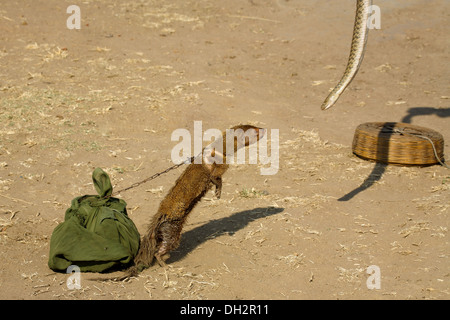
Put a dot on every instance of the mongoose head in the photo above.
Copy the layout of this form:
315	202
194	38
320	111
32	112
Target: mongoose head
244	135
235	138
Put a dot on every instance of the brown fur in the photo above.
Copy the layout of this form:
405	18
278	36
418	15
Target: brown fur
164	232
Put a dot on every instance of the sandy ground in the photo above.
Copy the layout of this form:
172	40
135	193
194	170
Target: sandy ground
110	94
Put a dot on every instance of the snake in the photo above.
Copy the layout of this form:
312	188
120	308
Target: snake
358	47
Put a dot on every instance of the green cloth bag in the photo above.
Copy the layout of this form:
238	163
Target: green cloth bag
96	234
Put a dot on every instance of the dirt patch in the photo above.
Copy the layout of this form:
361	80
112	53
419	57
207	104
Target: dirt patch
110	94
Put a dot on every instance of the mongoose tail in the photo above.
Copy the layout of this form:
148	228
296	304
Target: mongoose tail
164	232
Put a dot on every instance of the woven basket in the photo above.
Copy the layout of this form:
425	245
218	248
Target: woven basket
397	143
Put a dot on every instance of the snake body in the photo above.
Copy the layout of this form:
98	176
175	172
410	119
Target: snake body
359	40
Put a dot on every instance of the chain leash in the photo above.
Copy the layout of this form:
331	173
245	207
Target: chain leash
156	175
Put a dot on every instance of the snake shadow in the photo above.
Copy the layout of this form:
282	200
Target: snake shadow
380	167
217	227
425	111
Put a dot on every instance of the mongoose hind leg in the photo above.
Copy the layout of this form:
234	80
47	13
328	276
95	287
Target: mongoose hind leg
161	258
169	236
217	181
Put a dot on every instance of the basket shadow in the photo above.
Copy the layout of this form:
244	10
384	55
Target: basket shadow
217	227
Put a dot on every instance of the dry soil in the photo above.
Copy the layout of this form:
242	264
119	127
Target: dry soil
110	95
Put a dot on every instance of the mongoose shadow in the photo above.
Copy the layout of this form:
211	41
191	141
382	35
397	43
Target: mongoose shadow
215	228
209	230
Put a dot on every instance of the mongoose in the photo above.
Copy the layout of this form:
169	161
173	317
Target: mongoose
164	230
